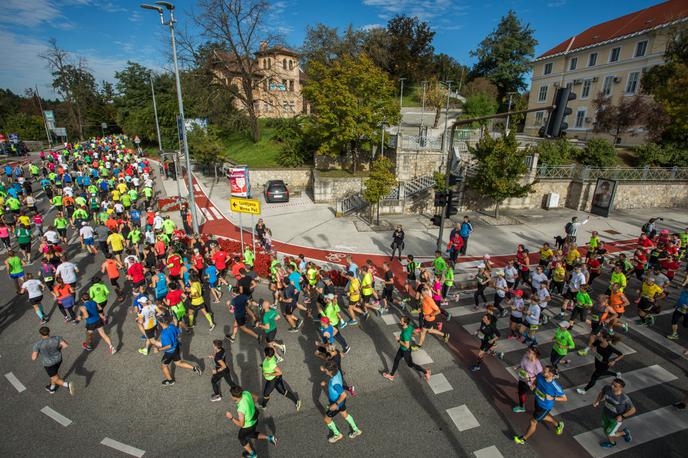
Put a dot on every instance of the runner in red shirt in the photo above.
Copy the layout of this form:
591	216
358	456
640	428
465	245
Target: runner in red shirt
174	264
136	275
670	266
645	243
197	261
594	268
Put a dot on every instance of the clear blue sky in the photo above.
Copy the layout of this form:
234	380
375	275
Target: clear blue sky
110	32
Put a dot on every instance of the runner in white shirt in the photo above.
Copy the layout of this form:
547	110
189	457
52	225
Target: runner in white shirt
86	233
538	277
67	271
148	322
35	288
52	236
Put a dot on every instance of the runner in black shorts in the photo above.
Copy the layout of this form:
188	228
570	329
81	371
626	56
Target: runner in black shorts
489	334
246	420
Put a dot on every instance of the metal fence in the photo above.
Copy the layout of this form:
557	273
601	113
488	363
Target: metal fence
417	142
580	172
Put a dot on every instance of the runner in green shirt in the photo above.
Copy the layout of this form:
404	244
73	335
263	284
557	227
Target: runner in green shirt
404	351
246	420
332	310
269	326
15	268
583	304
563	342
439	264
23	235
274	380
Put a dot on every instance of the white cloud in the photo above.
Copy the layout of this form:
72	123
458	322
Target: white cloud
29	13
367	27
556	3
423	9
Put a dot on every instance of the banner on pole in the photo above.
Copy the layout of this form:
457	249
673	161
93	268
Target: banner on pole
239	181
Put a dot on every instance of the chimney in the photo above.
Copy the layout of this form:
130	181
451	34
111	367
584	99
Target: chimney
263	45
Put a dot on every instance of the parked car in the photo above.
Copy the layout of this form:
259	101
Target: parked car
276	191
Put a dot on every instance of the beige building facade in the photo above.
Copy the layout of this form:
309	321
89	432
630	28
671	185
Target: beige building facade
609	58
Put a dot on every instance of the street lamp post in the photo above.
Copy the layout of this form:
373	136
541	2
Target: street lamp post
170	23
445	143
401	104
422	113
506	127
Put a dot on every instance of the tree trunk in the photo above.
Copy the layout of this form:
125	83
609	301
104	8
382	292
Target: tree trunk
437	118
255	127
378	213
496	211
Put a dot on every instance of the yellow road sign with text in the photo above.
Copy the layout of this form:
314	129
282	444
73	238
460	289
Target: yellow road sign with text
240	205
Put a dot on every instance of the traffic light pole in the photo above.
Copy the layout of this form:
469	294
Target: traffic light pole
450	166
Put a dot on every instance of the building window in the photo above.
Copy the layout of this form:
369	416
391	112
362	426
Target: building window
284	64
573	64
291	85
542	95
585	93
539	118
265	64
548	68
632	84
607	86
592	59
291	64
640	48
614	55
269	63
580	118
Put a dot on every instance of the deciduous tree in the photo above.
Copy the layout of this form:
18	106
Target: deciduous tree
380	182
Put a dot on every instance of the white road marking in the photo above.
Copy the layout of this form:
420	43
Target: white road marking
577	361
124	448
390	318
462	418
216	212
439	384
488	452
58	417
19	386
636	380
464	310
658	338
421	357
644	428
207	214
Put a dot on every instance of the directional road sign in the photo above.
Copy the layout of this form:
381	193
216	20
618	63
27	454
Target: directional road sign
240	205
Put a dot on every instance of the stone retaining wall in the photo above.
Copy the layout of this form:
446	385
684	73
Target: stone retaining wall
331	189
299	179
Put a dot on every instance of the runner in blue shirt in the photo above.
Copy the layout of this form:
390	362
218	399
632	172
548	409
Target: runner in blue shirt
336	395
169	345
547	391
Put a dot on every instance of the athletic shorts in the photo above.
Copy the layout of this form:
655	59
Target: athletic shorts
367	299
52	370
101	305
677	316
388	293
289	308
270	336
428	324
167	358
150	333
645	304
596	327
62	232
570	295
240	320
245	435
17	275
486	346
516	319
25	246
610	425
333	413
89	241
36	300
114	282
93	326
539	413
139	284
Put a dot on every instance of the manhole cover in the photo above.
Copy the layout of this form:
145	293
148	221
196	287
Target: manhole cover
612	232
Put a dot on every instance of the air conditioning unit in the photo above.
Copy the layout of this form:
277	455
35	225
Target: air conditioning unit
595	79
556	84
588	120
617	79
577	82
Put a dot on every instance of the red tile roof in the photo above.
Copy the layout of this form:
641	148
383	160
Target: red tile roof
652	17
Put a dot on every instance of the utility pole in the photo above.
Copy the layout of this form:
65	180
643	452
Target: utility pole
155	111
508	110
447	148
422	114
382	138
401	104
170	23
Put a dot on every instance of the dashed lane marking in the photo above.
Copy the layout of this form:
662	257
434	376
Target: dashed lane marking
390	318
439	384
14	381
58	417
645	427
636	380
658	338
488	452
216	212
463	418
124	448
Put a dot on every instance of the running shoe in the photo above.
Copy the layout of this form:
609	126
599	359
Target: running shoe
72	390
66	319
388	376
86	347
113	350
347	350
560	428
273	440
299	323
298	405
50	390
283	347
333	439
475	367
625	327
353	322
366	315
215	398
519	440
143	351
627	434
167	382
355	434
449	316
584	351
518	409
445	337
650	320
680	405
607	444
415	347
343	324
580	390
500	355
291	330
278	358
352	390
673	336
230	338
197	370
618	375
44	321
212	326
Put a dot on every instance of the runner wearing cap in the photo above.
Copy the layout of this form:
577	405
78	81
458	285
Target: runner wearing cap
562	343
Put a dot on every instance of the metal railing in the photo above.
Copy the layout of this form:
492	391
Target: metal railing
417	142
418	185
580	172
350	204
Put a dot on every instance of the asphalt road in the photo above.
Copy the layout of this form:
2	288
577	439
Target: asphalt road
119	397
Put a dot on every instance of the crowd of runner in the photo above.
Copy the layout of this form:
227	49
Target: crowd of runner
102	195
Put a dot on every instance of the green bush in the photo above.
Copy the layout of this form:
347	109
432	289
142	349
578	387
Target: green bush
654	155
598	152
556	152
296	145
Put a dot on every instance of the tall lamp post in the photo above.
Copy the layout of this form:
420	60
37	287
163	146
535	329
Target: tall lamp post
170	7
155	112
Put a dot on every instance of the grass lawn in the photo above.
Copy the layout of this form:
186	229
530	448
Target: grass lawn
240	149
342	173
412	96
